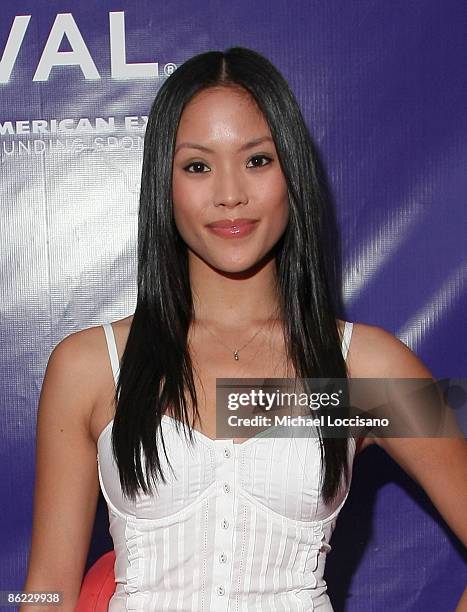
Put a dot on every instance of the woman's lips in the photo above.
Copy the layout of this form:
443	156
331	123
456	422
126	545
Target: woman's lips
235	230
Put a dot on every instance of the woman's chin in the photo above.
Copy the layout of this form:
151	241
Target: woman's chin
239	267
237	263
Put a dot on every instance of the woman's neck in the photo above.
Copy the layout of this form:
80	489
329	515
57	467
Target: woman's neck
234	300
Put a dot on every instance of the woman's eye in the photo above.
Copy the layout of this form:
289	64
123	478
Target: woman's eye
260	157
197	165
258	161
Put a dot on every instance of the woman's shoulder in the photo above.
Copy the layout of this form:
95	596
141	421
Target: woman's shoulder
375	352
80	362
86	346
77	352
83	354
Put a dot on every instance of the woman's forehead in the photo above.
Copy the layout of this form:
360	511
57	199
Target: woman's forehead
221	113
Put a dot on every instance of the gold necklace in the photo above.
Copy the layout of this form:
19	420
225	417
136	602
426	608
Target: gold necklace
237	351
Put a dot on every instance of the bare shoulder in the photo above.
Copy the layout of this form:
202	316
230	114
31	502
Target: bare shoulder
75	365
80	364
376	353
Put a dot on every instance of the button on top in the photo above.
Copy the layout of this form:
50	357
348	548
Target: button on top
226	452
222	558
226	487
220	590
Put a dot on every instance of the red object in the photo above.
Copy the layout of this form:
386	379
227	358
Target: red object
98	585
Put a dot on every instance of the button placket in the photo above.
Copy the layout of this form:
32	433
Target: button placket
225	522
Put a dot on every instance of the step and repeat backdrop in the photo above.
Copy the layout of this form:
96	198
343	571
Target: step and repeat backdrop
382	86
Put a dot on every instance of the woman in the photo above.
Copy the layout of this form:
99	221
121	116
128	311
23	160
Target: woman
231	284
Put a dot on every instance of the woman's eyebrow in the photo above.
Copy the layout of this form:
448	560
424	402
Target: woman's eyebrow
248	145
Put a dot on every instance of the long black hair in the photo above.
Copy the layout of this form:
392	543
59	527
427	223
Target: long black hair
156	371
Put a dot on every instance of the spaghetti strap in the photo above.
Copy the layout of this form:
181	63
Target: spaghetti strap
348	327
112	348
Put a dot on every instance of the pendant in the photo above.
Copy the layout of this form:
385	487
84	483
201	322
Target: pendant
236	355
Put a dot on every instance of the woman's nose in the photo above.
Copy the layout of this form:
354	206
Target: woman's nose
230	189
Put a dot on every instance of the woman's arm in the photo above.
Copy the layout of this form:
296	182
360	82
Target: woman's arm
439	465
462	603
66	484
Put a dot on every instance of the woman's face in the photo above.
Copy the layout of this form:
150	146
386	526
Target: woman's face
226	168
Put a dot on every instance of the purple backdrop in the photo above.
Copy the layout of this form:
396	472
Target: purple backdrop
382	86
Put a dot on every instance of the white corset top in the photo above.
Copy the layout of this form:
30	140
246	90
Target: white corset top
236	527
